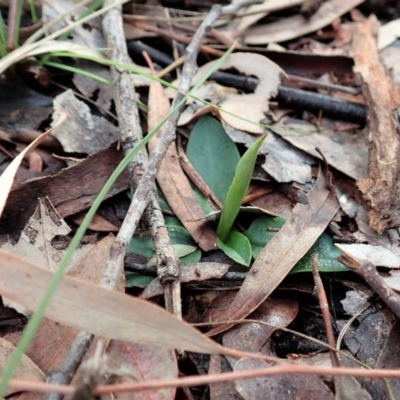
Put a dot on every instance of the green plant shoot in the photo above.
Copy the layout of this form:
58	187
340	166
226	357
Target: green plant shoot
238	190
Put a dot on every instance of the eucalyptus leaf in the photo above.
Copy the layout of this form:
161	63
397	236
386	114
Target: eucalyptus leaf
213	155
237	247
238	189
263	229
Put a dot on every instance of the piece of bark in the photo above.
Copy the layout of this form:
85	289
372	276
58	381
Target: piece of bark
382	189
71	190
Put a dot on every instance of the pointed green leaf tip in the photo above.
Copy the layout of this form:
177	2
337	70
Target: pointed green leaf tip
238	189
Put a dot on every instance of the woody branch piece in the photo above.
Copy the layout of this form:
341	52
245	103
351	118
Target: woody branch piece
131	134
382	188
368	271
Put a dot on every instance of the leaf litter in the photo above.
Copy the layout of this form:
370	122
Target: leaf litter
252	93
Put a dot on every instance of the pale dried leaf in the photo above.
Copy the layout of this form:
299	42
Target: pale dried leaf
35	243
255	12
97	310
34	49
378	255
82	132
347	153
91	87
296	26
283	162
254	106
89	35
388	33
393	280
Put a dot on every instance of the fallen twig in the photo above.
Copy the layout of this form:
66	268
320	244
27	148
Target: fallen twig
368	271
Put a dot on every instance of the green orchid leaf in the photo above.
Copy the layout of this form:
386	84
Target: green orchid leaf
213	155
238	189
180	239
327	257
237	247
134	279
191	258
263	229
181	250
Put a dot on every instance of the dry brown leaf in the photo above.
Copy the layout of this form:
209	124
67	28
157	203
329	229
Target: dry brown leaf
282	387
347	153
34	244
277	311
82	132
172	180
27	370
97	223
143	362
255	12
289	245
71	190
99	311
7	177
296	26
252	107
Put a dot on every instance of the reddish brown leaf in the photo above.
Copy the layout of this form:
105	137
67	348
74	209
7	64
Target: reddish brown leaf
71	190
7	177
144	362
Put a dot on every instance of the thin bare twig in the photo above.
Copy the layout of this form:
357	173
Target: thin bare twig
279	369
323	303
